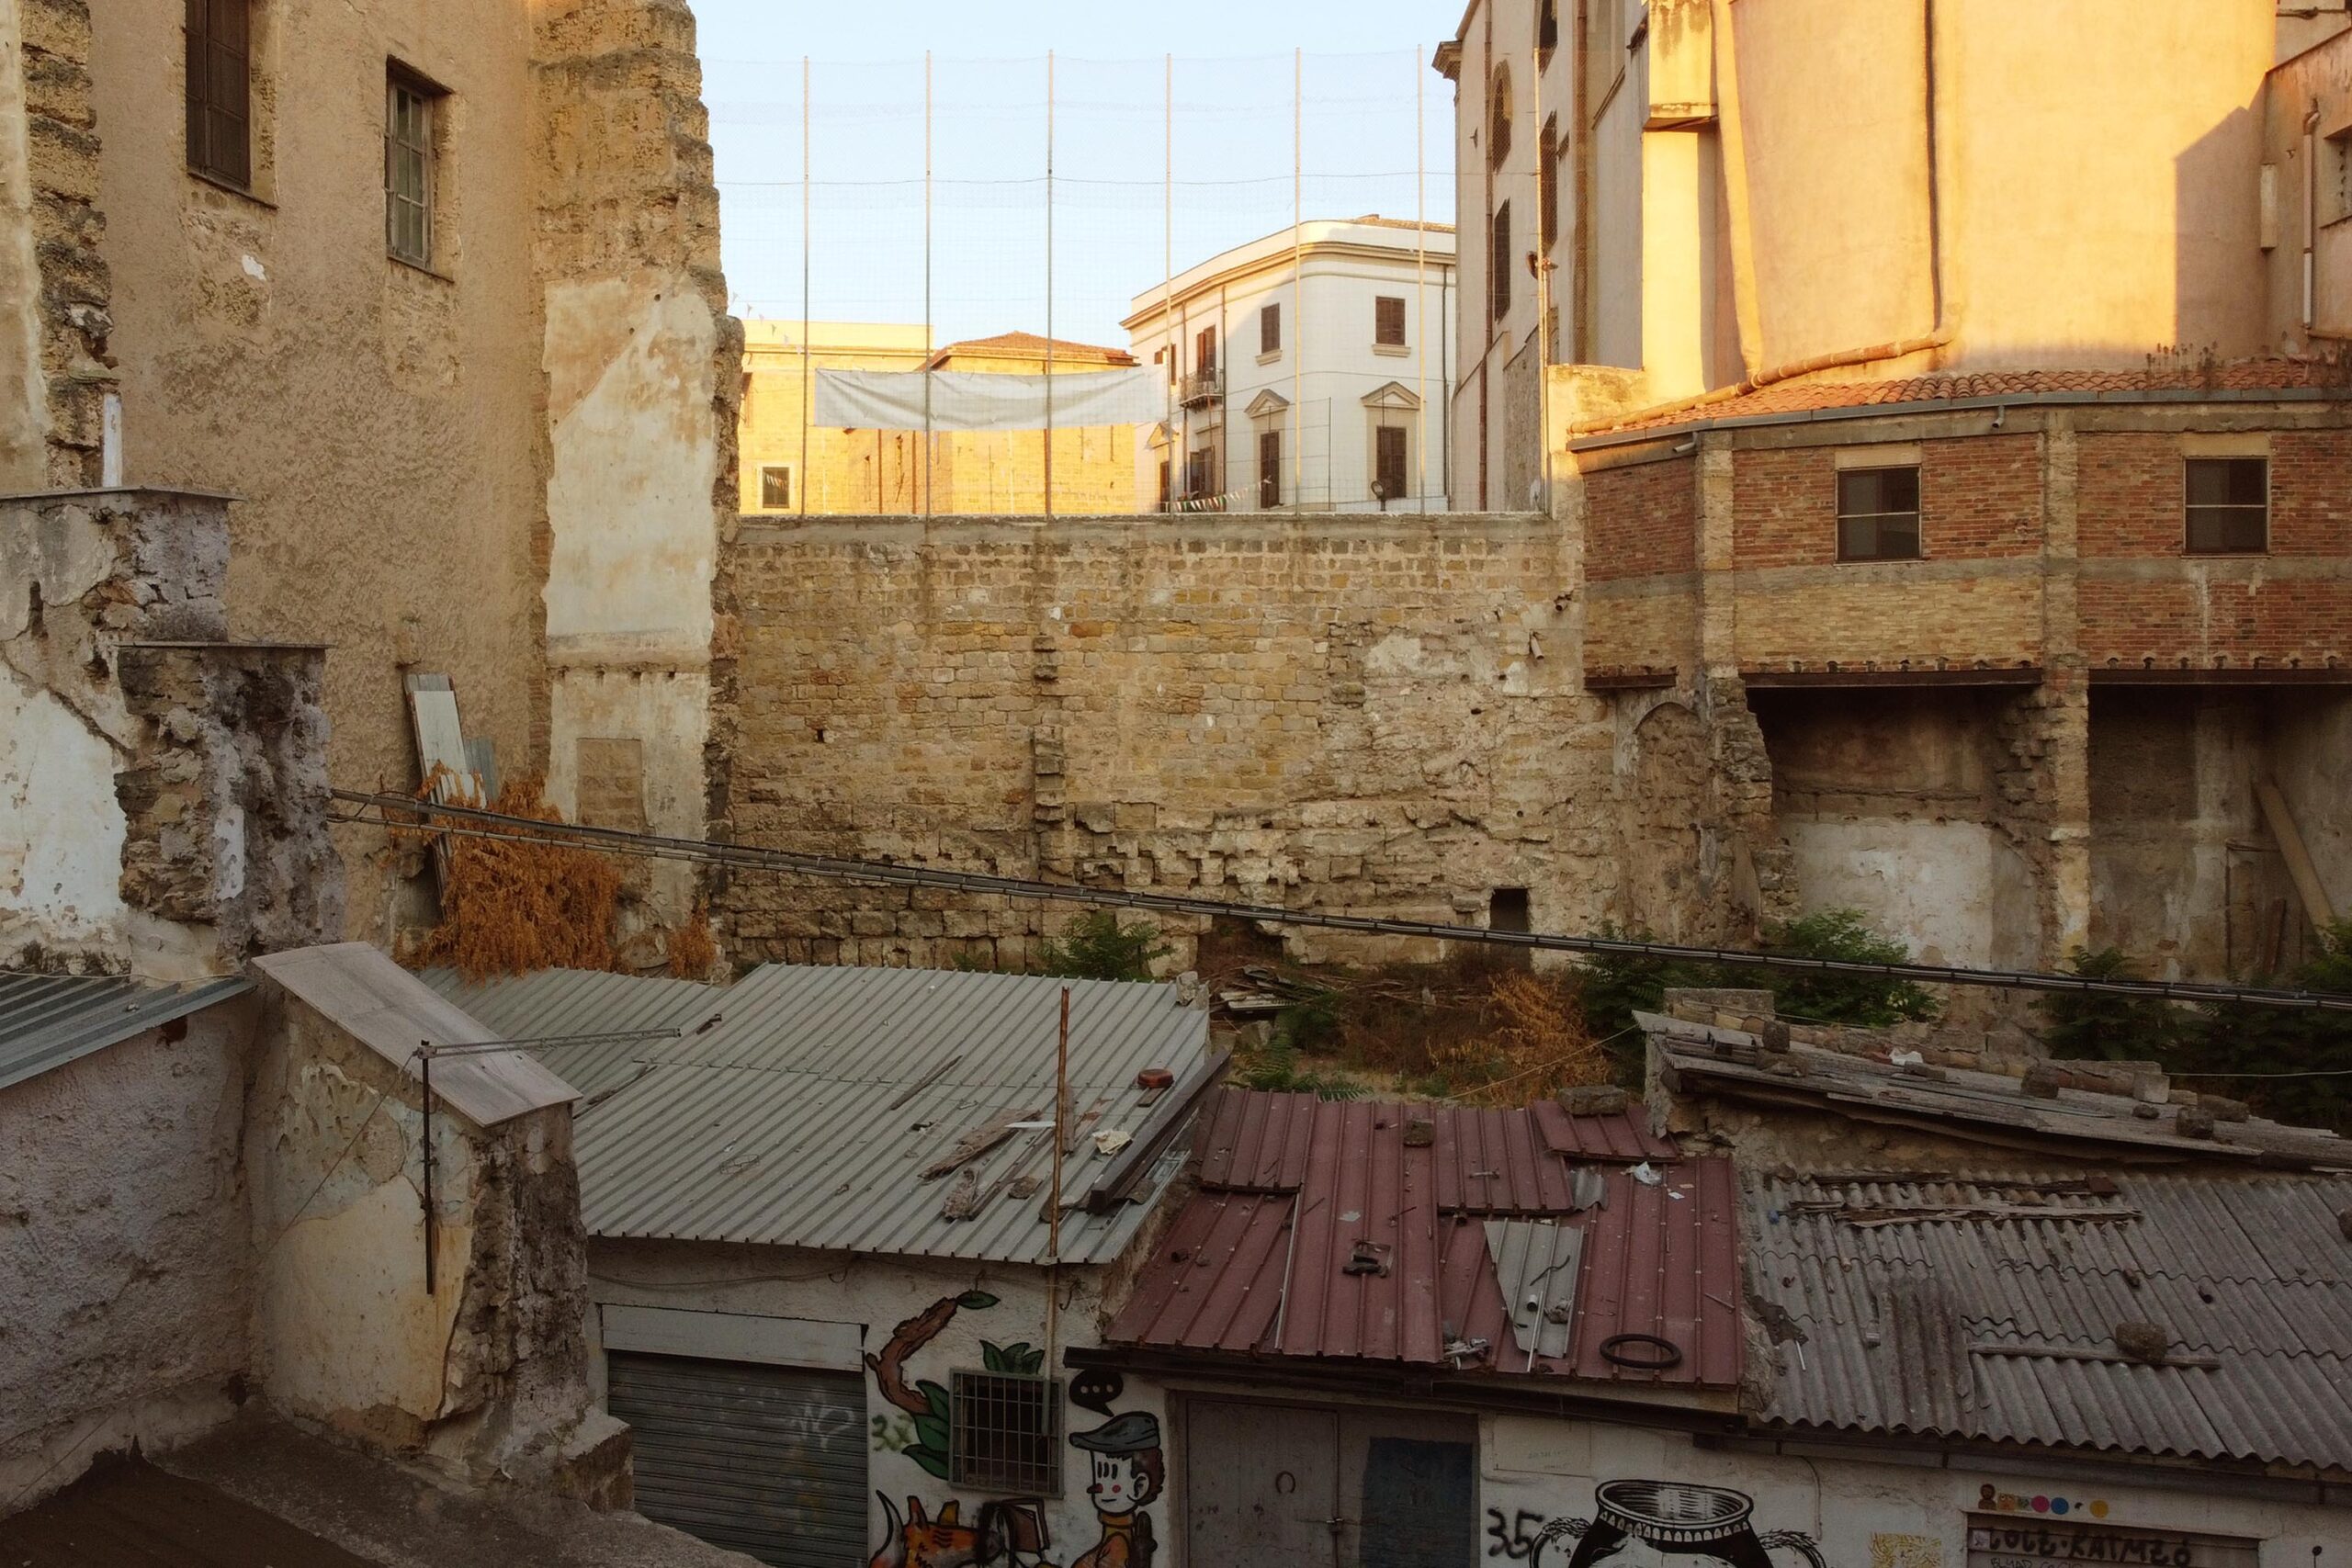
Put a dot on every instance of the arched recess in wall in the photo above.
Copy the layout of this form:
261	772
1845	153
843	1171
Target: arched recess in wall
1661	885
1498	117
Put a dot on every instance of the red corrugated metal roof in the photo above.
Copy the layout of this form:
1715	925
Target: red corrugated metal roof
1332	1230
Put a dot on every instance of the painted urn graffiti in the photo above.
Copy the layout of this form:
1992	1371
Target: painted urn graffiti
1670	1518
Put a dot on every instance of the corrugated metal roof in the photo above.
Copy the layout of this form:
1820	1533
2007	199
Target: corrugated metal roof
1938	1308
580	1001
392	1013
802	1111
1536	1264
1963	1103
47	1020
1346	1231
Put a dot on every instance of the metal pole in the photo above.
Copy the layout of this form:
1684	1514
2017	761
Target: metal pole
1298	286
927	346
425	1068
1543	262
1421	292
1049	283
1168	261
807	357
1054	1197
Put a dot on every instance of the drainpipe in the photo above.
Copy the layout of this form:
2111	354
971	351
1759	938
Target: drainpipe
2311	220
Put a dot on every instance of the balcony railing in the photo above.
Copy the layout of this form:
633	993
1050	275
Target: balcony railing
1200	389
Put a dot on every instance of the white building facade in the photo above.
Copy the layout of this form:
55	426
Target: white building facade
1306	371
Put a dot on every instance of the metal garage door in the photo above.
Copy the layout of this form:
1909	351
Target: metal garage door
769	1461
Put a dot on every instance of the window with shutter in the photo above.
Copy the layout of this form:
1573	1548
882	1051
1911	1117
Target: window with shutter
219	90
1270	330
1388	322
1388	461
1205	351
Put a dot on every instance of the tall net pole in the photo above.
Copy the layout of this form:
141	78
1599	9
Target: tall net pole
1049	283
1298	286
1420	295
1168	255
808	349
929	348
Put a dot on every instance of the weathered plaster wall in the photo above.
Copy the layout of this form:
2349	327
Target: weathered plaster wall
644	374
1379	714
485	1371
164	791
2310	736
2309	96
125	1277
381	423
23	413
846	1310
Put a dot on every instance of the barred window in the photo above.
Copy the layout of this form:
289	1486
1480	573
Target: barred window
1878	514
2229	505
1006	1435
409	104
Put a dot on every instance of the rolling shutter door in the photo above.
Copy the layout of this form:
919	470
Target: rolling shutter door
763	1460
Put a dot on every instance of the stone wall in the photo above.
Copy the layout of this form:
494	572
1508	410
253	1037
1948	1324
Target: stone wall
644	374
167	789
1371	714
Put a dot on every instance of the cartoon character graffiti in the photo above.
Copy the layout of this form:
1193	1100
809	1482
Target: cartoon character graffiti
1673	1518
1127	1473
915	1540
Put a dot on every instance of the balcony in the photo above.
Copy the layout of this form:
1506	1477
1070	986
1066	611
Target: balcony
1200	389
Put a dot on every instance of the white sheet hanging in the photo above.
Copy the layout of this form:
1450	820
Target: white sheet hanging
976	400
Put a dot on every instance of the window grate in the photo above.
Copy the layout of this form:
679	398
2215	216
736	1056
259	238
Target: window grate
2229	505
1878	514
1006	1434
407	172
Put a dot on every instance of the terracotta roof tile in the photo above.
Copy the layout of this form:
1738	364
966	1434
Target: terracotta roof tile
1805	396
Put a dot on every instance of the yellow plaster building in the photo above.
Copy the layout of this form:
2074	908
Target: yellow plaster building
785	468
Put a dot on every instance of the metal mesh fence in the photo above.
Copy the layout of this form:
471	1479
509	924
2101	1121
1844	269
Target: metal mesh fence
1228	225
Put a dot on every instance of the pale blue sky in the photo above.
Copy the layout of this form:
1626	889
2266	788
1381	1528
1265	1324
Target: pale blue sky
1232	140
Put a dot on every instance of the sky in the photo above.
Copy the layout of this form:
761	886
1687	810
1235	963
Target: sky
1115	228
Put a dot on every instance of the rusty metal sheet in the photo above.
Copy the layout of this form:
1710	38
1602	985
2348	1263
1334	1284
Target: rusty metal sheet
1356	1231
1625	1137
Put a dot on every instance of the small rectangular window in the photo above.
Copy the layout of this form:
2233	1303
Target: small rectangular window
1388	322
1006	1434
1878	514
1270	330
1498	263
1388	462
775	486
1270	470
219	90
2229	505
409	104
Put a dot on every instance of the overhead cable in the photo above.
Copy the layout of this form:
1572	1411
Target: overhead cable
406	812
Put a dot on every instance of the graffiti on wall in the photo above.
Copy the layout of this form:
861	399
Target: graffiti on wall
920	1426
1640	1524
1126	1471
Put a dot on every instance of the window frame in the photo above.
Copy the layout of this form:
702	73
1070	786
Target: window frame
401	82
1380	311
1498	263
204	51
1878	521
1270	328
790	480
2191	507
1042	1478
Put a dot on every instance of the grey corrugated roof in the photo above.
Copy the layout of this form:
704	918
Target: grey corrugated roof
388	1011
578	1002
47	1020
801	1113
1904	1325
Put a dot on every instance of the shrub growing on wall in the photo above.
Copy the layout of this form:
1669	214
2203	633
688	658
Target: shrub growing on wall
1097	947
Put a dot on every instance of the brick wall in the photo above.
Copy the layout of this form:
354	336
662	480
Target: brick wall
1365	713
1980	498
1641	520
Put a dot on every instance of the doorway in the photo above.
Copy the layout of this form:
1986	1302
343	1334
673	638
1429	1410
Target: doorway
1296	1486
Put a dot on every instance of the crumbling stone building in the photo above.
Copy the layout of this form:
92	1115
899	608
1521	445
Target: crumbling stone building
429	302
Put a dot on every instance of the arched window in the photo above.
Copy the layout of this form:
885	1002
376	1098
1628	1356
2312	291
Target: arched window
1498	117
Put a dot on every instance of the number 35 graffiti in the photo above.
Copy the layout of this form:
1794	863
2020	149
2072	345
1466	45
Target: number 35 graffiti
1678	1518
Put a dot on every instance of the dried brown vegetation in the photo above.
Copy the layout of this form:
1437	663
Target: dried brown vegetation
510	905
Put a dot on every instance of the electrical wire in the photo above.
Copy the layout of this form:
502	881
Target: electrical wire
412	814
